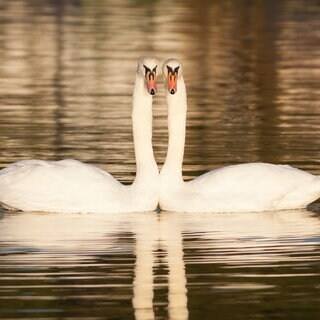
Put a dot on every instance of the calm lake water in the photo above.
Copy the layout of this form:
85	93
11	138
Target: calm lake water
252	70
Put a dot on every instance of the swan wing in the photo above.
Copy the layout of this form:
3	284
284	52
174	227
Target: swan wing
256	187
53	186
252	176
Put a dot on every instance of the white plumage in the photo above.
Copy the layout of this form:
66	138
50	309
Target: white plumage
72	186
236	188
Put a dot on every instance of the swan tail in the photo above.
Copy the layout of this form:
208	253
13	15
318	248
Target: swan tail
316	188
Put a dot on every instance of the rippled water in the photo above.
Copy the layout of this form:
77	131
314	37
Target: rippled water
166	265
252	70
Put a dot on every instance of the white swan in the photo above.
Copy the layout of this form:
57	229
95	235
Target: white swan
72	186
238	188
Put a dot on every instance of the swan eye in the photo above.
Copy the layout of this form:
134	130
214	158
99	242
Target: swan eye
173	71
147	70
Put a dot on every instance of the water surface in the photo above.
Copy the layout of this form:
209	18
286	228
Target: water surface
160	266
252	70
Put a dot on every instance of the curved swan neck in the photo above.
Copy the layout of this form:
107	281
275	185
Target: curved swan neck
177	112
142	132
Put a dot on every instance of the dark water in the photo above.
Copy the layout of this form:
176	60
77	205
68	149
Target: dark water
252	70
160	266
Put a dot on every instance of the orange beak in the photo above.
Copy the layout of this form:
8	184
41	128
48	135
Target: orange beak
151	82
172	82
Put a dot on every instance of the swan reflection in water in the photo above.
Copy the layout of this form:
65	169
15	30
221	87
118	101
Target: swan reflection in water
168	239
154	233
56	240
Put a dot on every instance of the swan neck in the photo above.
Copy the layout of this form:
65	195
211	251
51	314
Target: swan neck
146	167
177	112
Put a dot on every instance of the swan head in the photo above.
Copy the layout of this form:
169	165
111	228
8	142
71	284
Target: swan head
172	71
147	68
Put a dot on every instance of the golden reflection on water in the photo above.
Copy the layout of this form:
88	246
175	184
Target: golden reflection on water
252	70
67	72
93	252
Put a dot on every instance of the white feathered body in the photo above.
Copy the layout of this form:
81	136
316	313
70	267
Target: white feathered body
248	187
70	186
